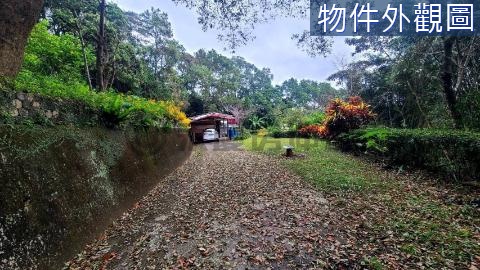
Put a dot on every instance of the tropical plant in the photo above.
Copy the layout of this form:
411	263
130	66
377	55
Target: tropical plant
313	131
256	122
341	116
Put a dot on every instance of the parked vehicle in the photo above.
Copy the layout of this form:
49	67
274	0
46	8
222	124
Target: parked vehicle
210	134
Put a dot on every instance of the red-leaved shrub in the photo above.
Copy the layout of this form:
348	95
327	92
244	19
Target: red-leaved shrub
341	116
313	131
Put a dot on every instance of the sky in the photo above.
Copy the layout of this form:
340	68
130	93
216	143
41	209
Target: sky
273	48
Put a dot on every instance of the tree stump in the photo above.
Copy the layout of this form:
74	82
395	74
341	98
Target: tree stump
289	150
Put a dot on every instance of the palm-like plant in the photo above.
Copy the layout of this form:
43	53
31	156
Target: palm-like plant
257	122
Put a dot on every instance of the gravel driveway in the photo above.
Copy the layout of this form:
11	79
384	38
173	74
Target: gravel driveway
224	208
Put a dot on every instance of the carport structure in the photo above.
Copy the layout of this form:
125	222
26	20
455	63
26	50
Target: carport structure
222	123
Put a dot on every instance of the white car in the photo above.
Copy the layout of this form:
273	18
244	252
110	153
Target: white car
210	134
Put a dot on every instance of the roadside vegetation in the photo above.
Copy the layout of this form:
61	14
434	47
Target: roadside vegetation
53	68
452	154
391	218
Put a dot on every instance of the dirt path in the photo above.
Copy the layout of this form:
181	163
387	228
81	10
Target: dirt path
224	208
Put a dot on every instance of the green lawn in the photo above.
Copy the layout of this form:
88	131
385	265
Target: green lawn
322	165
404	215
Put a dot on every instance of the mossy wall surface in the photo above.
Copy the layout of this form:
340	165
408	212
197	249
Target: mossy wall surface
60	187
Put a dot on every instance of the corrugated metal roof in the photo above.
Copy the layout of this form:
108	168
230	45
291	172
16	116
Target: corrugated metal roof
212	115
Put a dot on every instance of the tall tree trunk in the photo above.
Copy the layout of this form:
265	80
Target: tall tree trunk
17	19
447	80
111	80
84	51
85	62
101	47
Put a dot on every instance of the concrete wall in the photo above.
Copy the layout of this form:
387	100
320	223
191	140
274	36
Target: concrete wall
60	187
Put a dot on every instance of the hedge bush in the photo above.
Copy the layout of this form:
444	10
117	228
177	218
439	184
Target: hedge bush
280	133
452	153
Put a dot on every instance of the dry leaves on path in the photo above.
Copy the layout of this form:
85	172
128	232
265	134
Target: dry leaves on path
232	209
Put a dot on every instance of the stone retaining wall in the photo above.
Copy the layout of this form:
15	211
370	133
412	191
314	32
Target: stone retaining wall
25	104
26	107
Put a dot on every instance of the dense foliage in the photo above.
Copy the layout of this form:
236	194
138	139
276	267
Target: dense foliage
343	116
423	82
319	131
453	153
142	58
144	63
53	68
57	56
118	108
279	133
410	82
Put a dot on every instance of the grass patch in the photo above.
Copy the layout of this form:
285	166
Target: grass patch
434	230
326	168
374	263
